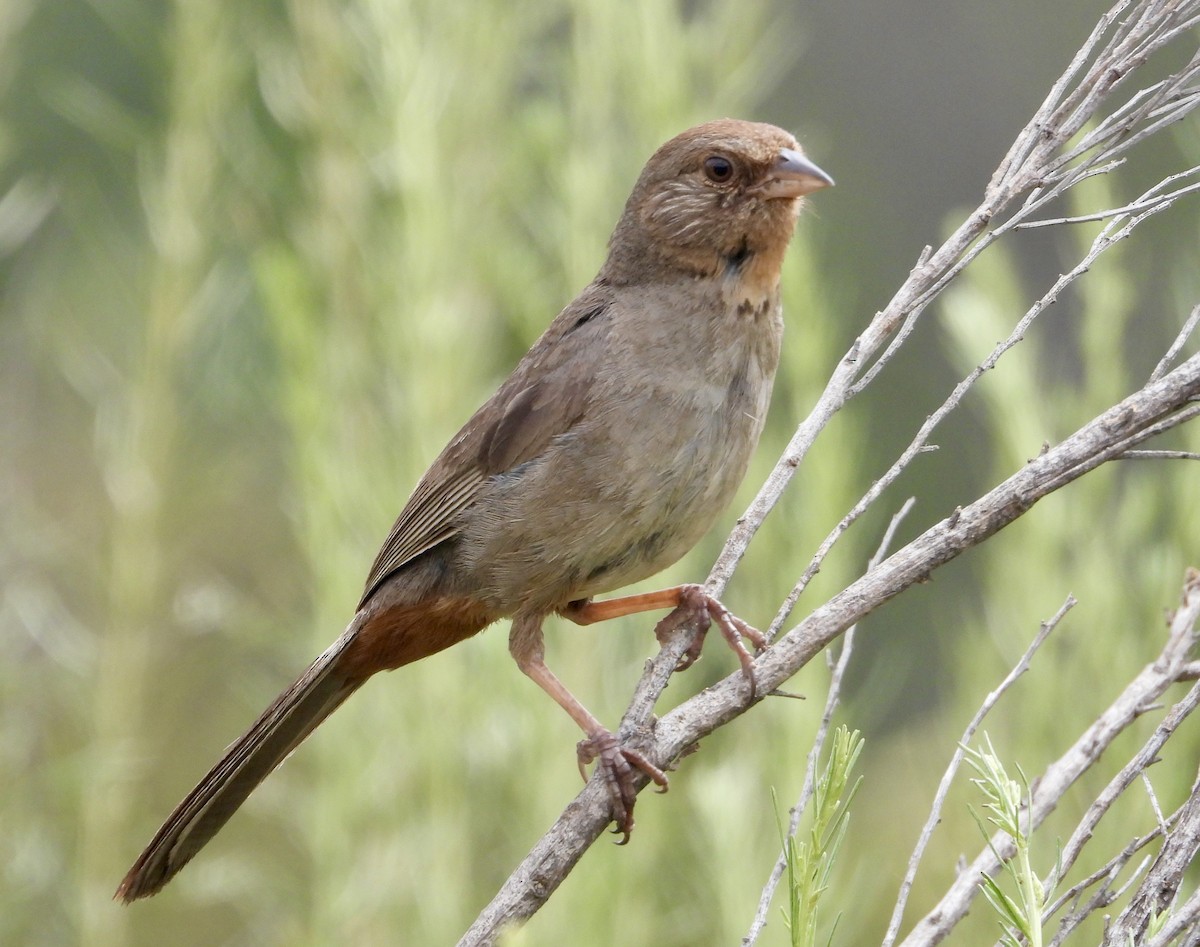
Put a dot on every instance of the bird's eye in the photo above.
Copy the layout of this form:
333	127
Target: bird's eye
718	169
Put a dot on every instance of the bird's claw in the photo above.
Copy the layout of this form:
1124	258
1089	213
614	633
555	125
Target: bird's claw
617	763
700	609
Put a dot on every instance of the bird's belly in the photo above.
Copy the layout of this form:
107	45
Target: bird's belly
568	525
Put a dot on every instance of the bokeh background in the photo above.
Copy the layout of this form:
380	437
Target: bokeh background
258	261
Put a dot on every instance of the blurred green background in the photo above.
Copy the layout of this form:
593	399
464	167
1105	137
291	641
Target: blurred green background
258	261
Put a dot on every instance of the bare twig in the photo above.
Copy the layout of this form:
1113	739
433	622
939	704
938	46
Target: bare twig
818	747
939	799
1160	455
1189	326
1145	202
1156	894
1153	796
1134	700
1117	229
1104	895
1129	773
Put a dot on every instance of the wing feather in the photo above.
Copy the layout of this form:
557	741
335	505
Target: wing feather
545	396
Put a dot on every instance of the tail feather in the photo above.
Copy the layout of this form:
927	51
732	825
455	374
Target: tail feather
281	727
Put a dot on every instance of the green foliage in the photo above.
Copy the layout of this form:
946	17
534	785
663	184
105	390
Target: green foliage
1022	915
810	860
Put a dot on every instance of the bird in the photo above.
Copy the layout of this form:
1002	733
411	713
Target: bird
607	454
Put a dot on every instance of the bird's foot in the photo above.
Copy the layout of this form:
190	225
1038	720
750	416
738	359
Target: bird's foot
618	764
700	609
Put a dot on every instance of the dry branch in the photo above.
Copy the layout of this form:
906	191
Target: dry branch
943	790
1138	697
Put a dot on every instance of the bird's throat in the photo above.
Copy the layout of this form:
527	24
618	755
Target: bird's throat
752	284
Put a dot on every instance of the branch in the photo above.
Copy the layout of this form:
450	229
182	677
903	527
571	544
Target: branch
1156	894
1117	229
1185	333
1184	920
1105	895
814	755
1032	168
1138	697
935	811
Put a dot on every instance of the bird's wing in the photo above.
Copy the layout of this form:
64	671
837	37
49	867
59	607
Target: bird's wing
544	397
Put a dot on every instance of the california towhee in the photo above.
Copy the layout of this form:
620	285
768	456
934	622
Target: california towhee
603	458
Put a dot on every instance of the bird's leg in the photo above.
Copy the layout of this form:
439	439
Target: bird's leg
616	762
691	605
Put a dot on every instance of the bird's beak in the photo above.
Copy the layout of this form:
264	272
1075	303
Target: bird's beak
794	176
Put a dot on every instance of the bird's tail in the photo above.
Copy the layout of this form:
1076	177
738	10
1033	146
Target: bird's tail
279	729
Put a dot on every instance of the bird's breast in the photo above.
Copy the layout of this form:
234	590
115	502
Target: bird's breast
662	448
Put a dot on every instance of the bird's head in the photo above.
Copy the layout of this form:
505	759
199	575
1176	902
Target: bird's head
722	197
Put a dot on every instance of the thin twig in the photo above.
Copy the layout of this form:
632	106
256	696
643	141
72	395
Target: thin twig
1104	894
1153	797
1116	230
1139	695
1130	773
1158	889
810	771
1159	455
1189	326
939	799
1140	204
